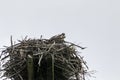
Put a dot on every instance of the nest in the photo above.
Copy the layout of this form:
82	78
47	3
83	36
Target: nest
51	59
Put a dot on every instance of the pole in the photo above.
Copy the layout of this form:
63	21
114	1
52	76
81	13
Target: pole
30	67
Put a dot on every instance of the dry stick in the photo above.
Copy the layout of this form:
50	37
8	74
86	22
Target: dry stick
40	58
11	41
18	74
83	75
75	45
77	76
83	62
12	48
5	57
51	47
13	65
14	73
11	45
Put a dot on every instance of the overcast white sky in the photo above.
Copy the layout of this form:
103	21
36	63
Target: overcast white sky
92	23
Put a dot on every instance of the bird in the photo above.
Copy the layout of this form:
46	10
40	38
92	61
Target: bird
58	38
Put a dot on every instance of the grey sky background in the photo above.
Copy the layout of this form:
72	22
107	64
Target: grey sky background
91	23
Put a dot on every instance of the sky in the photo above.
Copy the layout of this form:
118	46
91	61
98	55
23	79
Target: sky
94	24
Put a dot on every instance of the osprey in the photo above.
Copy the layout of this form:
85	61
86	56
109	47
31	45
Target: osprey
58	38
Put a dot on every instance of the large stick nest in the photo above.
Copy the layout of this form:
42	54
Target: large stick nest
68	65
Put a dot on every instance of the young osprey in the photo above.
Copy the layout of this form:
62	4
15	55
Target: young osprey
58	38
